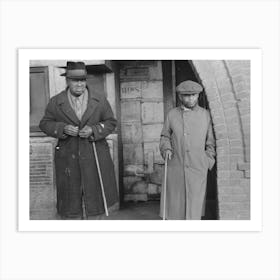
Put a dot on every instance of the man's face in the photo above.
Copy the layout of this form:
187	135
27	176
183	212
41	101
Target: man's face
189	100
77	86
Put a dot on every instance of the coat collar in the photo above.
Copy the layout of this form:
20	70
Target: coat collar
93	101
195	108
63	101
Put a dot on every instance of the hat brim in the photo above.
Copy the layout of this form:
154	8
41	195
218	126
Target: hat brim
73	77
75	73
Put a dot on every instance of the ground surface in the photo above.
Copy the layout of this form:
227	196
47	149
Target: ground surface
149	211
131	211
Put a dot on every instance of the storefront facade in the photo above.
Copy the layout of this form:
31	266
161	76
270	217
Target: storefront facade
141	93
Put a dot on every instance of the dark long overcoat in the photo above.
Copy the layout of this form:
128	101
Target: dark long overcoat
76	170
189	135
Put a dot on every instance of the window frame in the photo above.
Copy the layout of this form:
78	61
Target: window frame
34	129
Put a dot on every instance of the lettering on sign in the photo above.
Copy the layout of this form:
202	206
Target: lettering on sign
131	90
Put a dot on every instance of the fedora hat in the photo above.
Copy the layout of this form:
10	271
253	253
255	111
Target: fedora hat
75	70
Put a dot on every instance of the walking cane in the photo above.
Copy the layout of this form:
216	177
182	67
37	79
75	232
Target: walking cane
164	188
100	178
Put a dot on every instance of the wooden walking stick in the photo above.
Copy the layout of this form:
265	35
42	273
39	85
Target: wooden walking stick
164	188
100	178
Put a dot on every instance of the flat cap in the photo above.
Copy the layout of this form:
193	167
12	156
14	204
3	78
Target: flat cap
189	87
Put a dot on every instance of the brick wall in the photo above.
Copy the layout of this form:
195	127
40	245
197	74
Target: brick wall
227	86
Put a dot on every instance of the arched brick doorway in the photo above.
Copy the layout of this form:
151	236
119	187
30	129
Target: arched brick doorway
227	90
227	87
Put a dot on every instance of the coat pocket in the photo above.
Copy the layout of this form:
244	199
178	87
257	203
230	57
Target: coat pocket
206	160
210	161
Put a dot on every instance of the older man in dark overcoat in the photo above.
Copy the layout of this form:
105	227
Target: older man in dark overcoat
76	117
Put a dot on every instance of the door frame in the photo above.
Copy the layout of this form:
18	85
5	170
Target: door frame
168	80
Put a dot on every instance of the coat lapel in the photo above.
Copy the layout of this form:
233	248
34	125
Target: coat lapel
67	109
93	102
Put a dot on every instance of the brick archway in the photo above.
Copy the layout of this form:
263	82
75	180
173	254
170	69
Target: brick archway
227	87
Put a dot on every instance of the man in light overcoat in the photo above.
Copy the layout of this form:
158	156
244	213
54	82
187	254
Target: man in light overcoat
188	143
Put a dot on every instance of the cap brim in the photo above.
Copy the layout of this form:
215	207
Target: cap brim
188	92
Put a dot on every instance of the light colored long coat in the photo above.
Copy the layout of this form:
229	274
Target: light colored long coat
189	135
